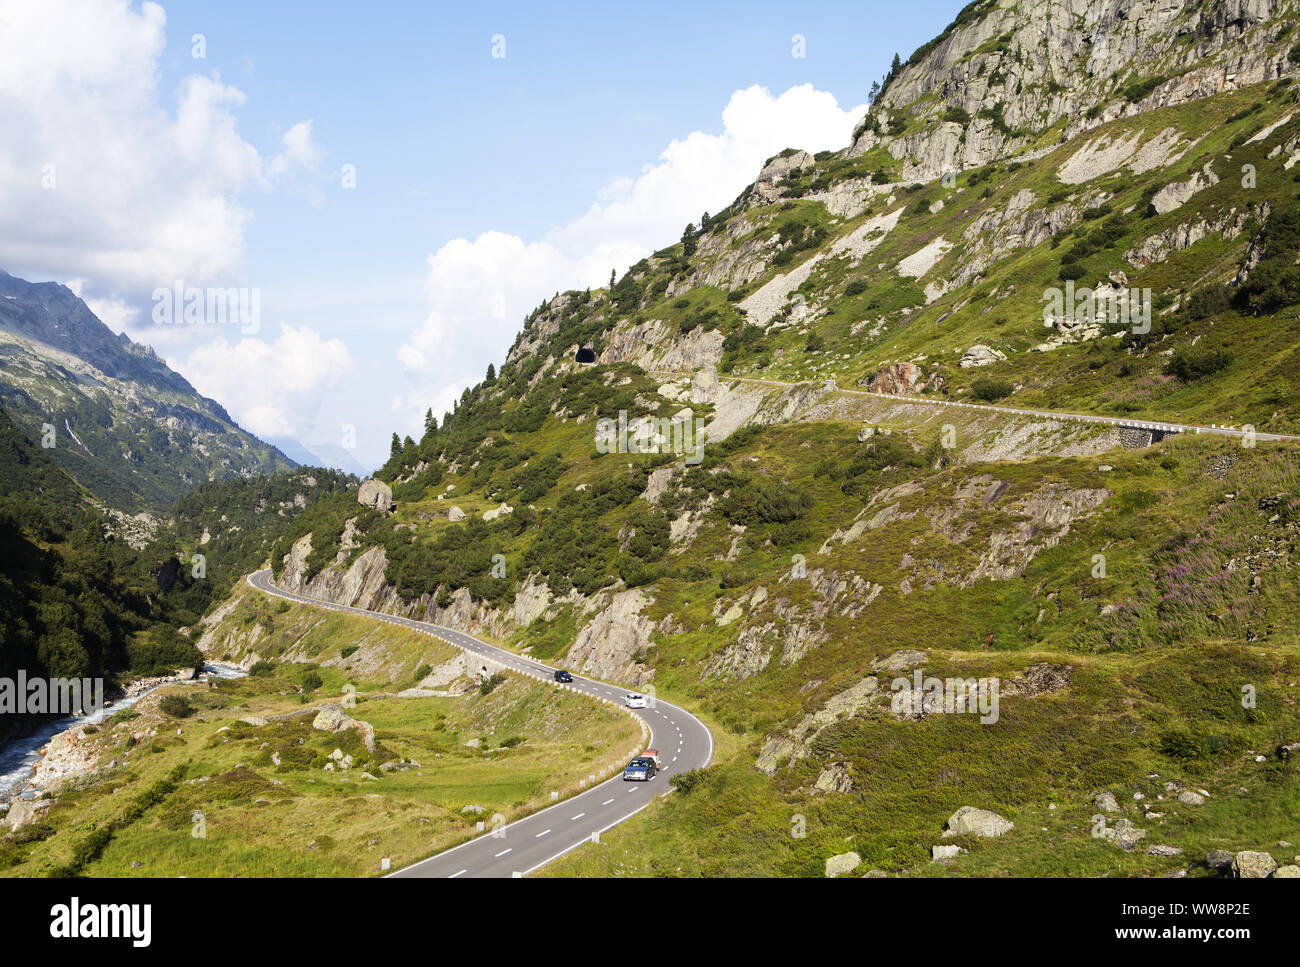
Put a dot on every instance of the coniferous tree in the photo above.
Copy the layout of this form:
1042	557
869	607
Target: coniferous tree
688	241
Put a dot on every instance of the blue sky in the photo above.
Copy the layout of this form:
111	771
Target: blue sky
448	142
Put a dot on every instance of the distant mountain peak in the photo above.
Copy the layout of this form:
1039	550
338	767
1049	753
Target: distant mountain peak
146	434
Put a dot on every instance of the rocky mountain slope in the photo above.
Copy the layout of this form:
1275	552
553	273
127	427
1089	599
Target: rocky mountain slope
821	546
131	430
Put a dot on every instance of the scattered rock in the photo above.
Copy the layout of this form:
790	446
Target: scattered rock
835	778
455	514
1289	872
24	812
1125	835
905	659
842	864
939	854
1253	865
1189	798
980	355
333	719
977	822
1219	859
897	379
1161	849
1106	801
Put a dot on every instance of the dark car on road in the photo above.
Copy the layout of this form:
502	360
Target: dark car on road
640	769
562	676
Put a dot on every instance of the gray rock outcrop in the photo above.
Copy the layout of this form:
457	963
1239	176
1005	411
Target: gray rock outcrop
968	820
377	494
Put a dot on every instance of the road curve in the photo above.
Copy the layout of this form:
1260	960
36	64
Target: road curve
520	847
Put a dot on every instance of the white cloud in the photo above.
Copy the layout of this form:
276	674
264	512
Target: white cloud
271	388
298	164
97	179
298	146
471	282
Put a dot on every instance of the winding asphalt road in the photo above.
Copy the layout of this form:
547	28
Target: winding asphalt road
1154	425
682	740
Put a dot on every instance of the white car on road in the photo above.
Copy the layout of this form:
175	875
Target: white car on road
633	700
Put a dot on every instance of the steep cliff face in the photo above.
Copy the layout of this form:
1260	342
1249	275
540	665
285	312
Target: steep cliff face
1011	76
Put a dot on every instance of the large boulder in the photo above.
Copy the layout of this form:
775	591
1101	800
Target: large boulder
977	822
1252	865
455	515
842	864
24	812
376	494
898	379
704	385
334	719
979	355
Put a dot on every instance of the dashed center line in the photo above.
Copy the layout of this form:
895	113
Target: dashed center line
577	817
503	852
454	875
541	834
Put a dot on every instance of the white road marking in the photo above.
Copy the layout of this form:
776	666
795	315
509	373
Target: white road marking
577	817
482	650
454	875
503	853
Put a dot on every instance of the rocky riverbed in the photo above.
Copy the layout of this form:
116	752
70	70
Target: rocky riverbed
56	750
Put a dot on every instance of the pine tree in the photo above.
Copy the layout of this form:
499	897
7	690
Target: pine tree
395	447
430	422
491	373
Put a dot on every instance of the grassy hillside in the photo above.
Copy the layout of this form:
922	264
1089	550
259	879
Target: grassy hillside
196	790
1135	603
